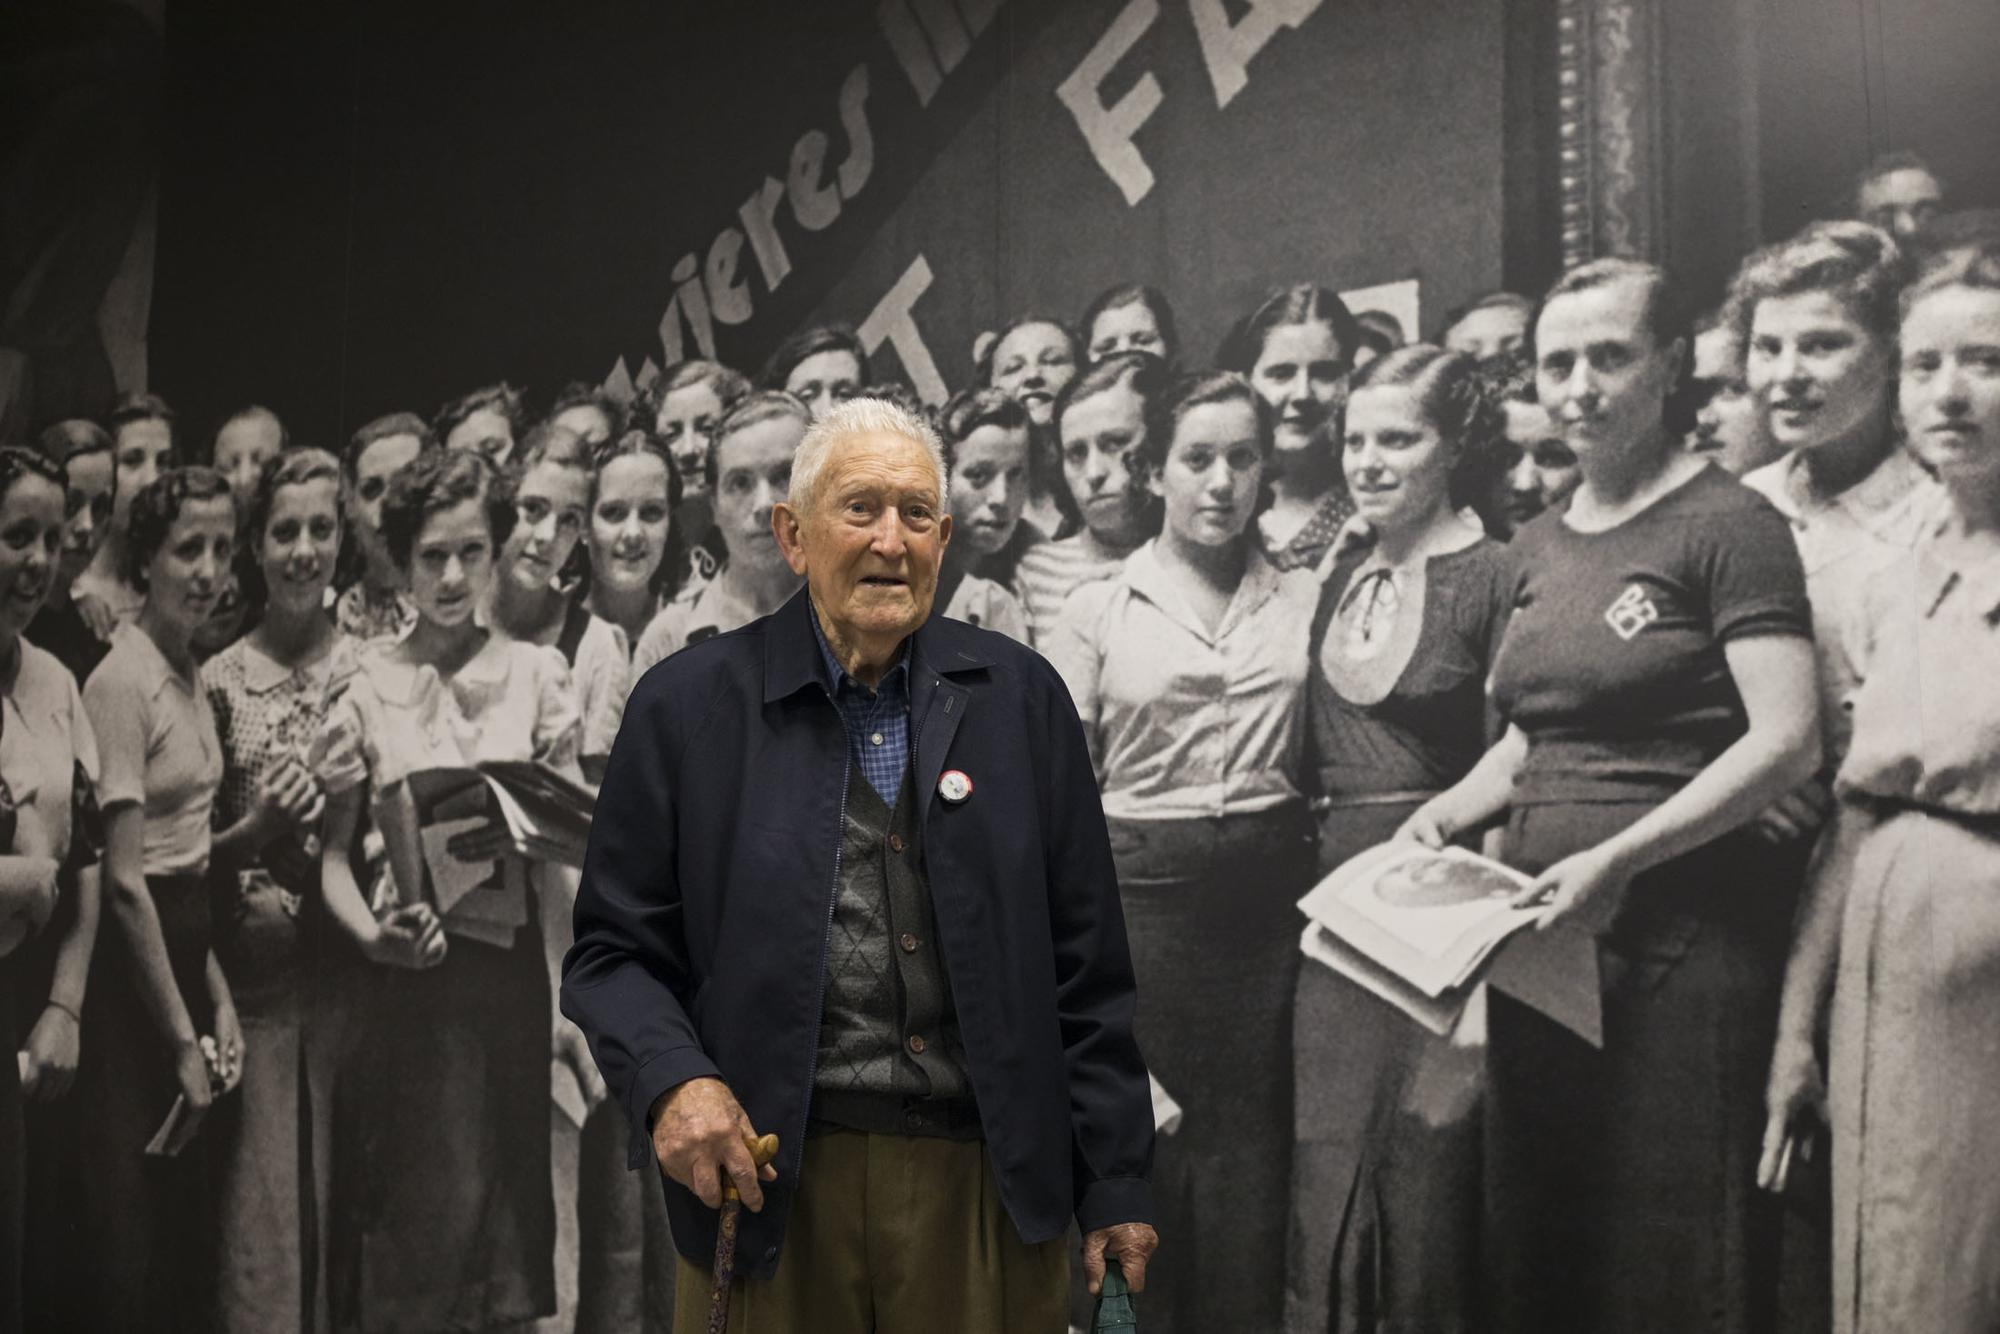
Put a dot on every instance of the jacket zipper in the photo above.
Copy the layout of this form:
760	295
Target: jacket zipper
826	940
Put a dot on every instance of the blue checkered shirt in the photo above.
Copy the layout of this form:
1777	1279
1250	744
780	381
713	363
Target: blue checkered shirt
878	720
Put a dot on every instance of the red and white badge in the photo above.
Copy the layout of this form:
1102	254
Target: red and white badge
954	786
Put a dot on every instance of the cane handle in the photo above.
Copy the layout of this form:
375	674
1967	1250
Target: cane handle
763	1148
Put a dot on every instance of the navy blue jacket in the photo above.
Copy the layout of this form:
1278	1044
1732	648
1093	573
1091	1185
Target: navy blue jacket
708	893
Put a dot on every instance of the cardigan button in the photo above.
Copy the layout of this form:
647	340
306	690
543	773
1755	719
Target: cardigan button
917	1043
908	942
895	842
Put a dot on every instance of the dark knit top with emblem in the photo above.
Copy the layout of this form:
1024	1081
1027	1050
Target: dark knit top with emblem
1613	660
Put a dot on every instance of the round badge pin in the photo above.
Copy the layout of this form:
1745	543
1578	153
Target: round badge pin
954	786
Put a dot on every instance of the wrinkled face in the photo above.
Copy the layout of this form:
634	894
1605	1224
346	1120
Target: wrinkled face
1489	332
629	523
1031	364
1818	373
587	422
1728	425
1213	474
990	487
31	540
365	493
1950	391
825	380
1127	328
1599	372
87	501
451	564
191	568
242	448
686	423
487	431
1398	467
1301	372
301	544
1901	202
874	537
145	450
1098	434
753	471
550	506
1549	462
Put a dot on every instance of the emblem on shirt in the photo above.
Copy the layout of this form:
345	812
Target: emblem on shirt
1632	612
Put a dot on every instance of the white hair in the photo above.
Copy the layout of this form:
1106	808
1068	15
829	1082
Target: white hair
861	416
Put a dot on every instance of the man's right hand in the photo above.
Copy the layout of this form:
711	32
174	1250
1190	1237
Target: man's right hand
698	1132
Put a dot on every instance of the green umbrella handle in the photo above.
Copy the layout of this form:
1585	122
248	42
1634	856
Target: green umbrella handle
1114	1302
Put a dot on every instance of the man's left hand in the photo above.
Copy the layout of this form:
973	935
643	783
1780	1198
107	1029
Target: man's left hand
1130	1244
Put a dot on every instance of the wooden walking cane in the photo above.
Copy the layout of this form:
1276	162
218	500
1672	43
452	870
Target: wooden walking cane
762	1151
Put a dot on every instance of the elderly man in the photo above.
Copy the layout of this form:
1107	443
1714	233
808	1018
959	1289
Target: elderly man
849	882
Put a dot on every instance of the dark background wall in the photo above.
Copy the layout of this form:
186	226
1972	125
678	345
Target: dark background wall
373	206
367	205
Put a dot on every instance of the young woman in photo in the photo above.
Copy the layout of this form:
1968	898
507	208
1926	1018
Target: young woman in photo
1031	360
638	562
1898	952
682	408
373	605
821	367
90	481
269	692
144	1227
989	452
1187	669
1656	677
588	413
1101	420
488	420
48	901
1296	348
1817	315
540	584
142	434
442	1213
1131	317
752	469
1385	1207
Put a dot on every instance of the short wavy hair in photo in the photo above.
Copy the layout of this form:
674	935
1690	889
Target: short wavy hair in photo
155	509
439	480
295	467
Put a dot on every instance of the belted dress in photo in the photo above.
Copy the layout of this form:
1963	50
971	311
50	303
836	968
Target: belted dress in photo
1385	1163
1914	1062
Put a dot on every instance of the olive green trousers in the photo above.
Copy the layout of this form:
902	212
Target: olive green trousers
893	1234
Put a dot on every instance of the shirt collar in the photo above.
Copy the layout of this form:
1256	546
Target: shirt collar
1874	502
1149	579
836	675
1940	580
158	670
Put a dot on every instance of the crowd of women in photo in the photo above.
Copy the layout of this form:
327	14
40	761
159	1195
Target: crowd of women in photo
1695	622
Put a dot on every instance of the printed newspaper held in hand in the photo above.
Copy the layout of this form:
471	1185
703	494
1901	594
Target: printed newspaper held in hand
1422	928
547	820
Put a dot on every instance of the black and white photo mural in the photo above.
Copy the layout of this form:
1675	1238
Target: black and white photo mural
1510	490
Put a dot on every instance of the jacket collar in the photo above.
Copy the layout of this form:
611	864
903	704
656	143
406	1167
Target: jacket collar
792	655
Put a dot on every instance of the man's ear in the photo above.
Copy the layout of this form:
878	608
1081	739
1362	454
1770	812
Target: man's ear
790	533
